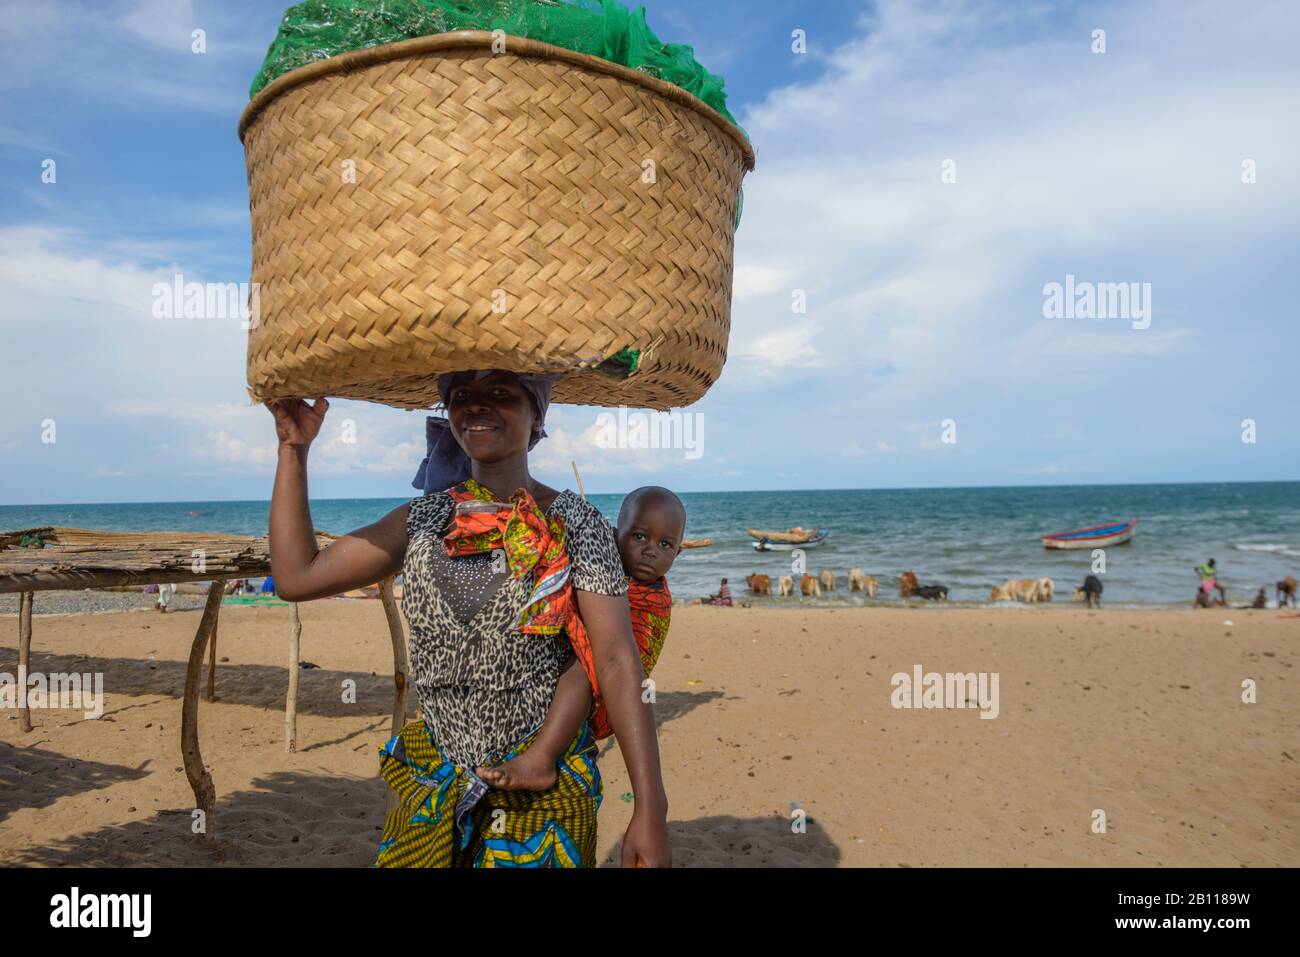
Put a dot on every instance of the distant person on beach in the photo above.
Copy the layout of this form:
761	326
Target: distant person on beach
268	586
494	565
1261	600
651	524
165	594
723	597
1210	582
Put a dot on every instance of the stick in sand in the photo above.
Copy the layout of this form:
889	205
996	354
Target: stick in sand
25	655
212	656
205	795
579	478
291	697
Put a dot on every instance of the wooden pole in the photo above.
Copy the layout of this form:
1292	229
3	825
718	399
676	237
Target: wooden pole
291	703
579	478
205	795
401	669
400	666
24	657
212	655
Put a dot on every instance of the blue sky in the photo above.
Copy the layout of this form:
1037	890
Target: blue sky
924	297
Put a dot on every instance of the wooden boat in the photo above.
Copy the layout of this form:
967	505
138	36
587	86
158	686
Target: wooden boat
1099	536
696	542
794	535
766	545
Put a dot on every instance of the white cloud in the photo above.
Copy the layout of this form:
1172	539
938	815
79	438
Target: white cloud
401	458
752	279
143	53
562	447
180	408
223	448
790	345
1123	342
42	265
166	24
1060	155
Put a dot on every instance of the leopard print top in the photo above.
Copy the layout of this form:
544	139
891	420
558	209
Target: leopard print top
482	684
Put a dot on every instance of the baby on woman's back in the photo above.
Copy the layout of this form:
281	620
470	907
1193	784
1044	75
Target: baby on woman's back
651	524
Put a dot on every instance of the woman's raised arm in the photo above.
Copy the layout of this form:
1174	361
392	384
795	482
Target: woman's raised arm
301	570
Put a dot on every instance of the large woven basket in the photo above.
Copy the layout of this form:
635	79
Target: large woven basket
431	205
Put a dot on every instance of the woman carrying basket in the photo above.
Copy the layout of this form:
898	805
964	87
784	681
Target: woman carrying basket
493	562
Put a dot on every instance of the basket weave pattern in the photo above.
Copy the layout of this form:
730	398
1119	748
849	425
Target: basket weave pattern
498	219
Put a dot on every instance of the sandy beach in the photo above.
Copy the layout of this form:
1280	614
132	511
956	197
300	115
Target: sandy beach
762	712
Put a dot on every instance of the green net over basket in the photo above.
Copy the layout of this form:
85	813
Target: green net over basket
318	29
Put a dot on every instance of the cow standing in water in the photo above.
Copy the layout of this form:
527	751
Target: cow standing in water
1090	592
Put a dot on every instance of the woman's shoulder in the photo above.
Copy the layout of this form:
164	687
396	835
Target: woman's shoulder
589	540
577	511
429	511
431	499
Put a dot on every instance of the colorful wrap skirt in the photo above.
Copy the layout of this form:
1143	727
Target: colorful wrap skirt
449	817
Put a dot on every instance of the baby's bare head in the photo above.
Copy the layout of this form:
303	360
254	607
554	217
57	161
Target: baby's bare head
651	524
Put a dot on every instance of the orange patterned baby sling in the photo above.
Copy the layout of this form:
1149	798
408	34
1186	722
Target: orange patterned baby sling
651	605
529	540
525	540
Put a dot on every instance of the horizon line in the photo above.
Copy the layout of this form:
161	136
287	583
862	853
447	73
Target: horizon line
885	488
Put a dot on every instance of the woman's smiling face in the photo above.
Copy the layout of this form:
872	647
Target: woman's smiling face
492	418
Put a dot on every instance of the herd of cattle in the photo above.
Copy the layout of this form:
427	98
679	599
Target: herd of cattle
1027	590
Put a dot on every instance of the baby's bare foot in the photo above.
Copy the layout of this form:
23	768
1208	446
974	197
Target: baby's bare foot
531	771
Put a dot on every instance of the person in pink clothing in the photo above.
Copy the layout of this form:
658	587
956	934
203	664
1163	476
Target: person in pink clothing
723	597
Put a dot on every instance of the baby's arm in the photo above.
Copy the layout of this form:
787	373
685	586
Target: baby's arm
535	769
570	706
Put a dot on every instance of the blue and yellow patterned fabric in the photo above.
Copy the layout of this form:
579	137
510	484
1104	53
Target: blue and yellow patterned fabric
449	817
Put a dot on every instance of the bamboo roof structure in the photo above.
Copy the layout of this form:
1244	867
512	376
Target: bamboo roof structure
76	558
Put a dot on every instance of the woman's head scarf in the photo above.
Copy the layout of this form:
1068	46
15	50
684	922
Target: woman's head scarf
445	462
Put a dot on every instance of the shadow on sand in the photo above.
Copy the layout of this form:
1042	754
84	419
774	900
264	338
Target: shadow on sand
300	820
32	777
320	691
